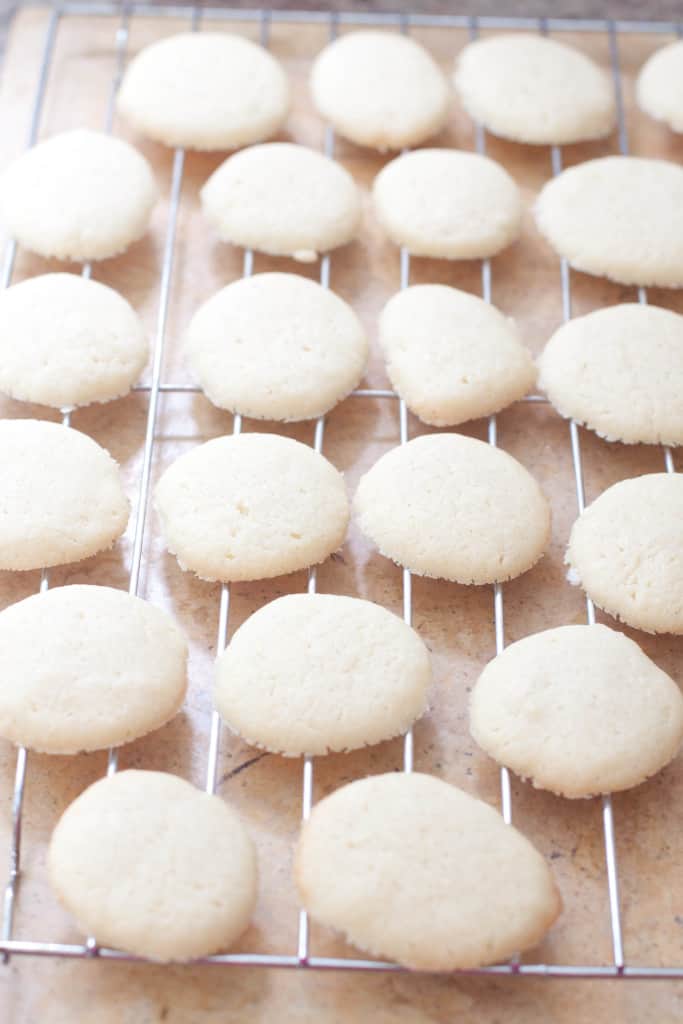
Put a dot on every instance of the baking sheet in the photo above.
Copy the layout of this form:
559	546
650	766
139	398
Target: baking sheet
456	622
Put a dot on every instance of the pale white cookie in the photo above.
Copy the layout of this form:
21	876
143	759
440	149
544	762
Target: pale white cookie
533	89
413	869
204	90
312	673
659	87
277	347
62	496
149	864
80	195
284	200
447	204
620	372
66	341
451	356
251	507
450	507
578	710
619	217
626	551
87	668
380	89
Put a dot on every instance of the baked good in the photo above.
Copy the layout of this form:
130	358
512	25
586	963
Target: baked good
276	346
619	371
251	507
312	673
79	195
619	217
86	668
284	200
659	87
447	204
626	551
578	710
63	499
411	868
447	506
67	341
380	89
451	356
533	89
149	864
204	90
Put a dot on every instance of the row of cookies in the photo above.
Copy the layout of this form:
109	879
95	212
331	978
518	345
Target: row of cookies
280	347
214	91
576	709
86	196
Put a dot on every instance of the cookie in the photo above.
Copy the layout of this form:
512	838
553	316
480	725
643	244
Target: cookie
284	200
313	673
66	341
450	507
578	710
277	347
532	89
87	668
619	217
149	864
380	89
204	90
452	357
619	371
626	551
62	496
413	869
447	204
80	195
659	87
251	507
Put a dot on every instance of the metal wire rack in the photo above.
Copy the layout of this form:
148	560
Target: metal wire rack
124	12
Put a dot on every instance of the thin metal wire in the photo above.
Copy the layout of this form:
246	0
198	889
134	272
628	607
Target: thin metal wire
224	606
624	149
303	937
575	440
625	25
498	605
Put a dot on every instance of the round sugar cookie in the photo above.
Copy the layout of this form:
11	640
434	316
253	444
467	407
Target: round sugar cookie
532	89
313	673
447	204
66	341
277	347
380	89
284	200
450	507
451	356
413	869
619	217
659	86
80	195
149	864
251	507
62	496
626	551
578	710
619	371
86	668
204	90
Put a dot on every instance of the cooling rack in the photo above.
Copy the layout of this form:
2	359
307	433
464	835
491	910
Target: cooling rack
123	16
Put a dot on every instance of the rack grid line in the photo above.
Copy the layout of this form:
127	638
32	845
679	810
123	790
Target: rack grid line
303	957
